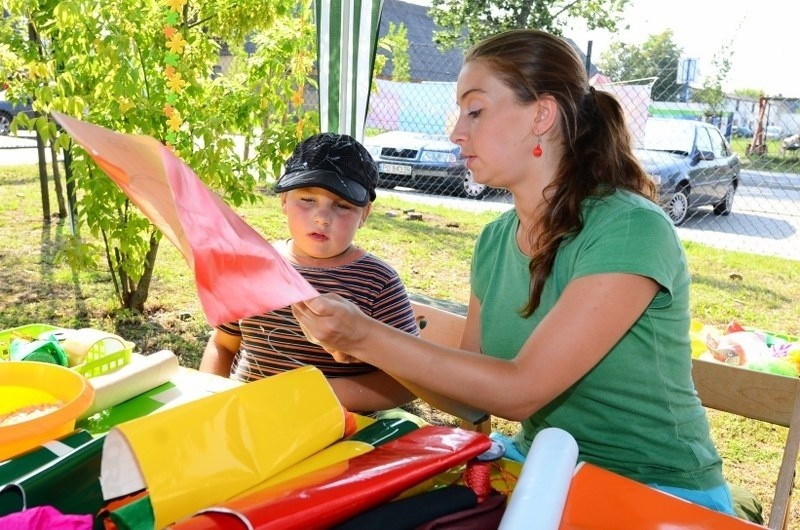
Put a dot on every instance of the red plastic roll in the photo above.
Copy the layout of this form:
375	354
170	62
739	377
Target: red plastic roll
339	492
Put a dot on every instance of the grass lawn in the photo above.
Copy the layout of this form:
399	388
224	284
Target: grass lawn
432	256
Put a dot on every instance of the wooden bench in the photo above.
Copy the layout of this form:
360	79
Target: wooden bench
756	395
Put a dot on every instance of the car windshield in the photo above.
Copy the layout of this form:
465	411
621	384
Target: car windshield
675	136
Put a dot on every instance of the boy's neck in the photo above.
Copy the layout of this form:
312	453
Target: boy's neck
348	255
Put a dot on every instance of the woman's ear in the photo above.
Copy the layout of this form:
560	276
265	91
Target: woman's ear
546	114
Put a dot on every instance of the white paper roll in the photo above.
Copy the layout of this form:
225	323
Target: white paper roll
142	373
538	499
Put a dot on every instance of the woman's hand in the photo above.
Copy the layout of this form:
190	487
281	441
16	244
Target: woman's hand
334	323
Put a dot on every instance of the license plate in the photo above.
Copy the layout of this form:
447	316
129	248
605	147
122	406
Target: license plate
395	169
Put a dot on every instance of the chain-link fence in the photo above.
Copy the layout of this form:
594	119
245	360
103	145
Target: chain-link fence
729	177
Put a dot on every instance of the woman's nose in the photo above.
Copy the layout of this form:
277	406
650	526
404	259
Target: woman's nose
457	134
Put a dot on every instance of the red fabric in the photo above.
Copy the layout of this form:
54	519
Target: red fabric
337	493
237	272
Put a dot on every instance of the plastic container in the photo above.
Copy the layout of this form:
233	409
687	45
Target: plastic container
100	352
24	383
28	332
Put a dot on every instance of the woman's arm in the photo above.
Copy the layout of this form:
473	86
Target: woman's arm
593	313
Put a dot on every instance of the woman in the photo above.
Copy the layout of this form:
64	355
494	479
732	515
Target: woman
579	309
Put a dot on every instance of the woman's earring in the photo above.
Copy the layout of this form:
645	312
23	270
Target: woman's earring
537	151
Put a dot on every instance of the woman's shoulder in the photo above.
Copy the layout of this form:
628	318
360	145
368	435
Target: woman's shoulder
502	223
622	203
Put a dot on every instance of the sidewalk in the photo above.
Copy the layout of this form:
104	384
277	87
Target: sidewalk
784	181
19	150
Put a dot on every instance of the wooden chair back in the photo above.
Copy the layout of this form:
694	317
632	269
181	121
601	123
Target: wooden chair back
438	325
756	395
760	396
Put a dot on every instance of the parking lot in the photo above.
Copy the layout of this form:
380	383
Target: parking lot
765	218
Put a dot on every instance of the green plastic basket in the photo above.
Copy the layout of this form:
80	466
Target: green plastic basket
105	356
28	332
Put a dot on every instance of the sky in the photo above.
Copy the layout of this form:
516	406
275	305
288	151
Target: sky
762	37
762	34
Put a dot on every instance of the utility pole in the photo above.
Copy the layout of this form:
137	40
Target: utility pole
759	145
588	64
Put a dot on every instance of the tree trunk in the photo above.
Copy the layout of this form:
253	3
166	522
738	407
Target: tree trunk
62	208
135	293
43	179
72	198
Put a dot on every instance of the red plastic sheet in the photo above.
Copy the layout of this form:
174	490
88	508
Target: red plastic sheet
336	493
225	253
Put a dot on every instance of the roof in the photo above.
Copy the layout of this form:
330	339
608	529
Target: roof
426	61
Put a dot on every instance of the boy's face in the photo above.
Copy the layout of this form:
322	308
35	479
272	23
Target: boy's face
321	223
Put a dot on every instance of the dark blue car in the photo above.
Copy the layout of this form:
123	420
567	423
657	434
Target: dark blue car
692	164
8	112
428	162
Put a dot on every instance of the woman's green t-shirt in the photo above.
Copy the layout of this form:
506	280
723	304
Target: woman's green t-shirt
636	412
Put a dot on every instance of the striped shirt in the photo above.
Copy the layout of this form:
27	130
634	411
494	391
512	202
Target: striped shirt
273	343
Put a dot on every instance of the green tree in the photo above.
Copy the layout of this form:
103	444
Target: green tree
754	93
657	59
150	67
398	36
465	22
711	92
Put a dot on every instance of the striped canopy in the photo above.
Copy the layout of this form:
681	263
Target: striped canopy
347	37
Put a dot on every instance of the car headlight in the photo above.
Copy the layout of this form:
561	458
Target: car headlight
656	178
442	157
374	150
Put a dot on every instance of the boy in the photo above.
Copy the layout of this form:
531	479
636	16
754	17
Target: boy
326	193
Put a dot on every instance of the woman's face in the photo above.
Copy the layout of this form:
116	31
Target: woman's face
495	132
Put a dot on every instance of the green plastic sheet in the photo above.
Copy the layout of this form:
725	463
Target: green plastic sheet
70	483
37	457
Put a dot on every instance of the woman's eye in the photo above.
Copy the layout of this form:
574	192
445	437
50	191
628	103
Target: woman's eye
474	113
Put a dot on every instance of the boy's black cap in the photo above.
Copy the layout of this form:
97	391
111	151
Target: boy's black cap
335	162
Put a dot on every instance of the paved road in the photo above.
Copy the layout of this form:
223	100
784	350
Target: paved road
765	218
18	150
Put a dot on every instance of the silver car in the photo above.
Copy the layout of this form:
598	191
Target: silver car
692	164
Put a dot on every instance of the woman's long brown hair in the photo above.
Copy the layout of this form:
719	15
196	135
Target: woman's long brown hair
597	149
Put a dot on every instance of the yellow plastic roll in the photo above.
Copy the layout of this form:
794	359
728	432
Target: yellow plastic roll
209	450
336	453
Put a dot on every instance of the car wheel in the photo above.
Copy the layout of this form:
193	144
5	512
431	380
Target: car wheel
472	189
726	206
5	123
678	206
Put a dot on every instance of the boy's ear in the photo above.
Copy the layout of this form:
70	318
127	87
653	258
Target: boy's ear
365	214
283	202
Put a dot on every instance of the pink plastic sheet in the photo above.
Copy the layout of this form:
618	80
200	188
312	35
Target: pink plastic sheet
45	518
225	253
